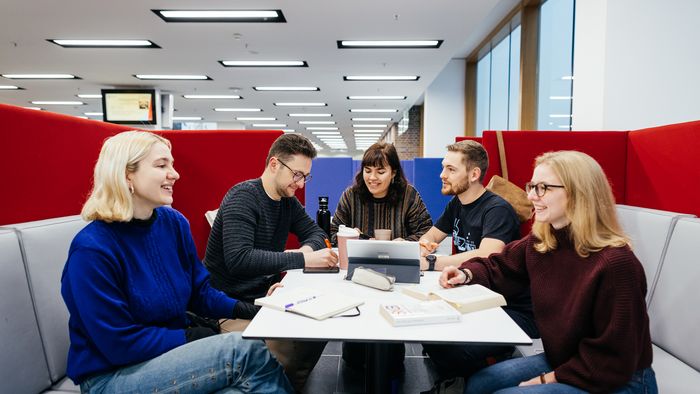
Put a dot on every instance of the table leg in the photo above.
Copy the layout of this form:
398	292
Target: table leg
376	366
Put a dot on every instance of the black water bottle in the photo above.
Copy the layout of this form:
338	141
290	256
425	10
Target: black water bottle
323	216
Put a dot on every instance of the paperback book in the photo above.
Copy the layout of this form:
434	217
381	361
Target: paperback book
468	298
415	313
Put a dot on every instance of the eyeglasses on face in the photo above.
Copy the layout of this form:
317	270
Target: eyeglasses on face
296	175
540	188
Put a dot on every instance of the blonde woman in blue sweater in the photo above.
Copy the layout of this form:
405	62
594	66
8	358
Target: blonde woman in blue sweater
131	276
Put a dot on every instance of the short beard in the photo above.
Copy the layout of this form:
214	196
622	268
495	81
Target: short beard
456	189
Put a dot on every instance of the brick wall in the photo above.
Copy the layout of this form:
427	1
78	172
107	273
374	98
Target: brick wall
408	144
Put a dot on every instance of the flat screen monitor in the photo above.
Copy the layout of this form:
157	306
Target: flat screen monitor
130	106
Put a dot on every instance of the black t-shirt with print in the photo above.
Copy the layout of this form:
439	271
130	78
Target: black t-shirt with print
489	216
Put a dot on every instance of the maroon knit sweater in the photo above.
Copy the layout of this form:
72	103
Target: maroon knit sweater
590	311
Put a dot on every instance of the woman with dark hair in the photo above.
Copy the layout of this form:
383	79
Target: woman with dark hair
381	198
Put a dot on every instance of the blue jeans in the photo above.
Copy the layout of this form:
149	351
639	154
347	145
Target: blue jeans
504	377
223	363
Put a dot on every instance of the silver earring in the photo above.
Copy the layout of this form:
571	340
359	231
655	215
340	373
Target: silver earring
131	189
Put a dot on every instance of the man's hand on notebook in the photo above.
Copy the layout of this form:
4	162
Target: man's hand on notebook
321	258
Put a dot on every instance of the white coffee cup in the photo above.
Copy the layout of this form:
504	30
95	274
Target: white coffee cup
345	233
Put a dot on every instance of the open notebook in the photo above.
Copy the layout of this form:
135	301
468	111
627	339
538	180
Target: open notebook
309	302
468	298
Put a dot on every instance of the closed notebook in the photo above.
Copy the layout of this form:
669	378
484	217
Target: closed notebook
309	302
415	313
468	298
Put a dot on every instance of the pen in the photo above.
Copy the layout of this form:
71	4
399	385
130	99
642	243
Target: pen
299	302
328	243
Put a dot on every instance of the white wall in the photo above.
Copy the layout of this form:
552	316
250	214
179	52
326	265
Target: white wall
443	109
636	63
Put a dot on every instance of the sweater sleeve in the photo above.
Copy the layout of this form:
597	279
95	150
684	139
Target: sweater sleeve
92	287
342	215
606	360
308	232
240	217
504	272
417	218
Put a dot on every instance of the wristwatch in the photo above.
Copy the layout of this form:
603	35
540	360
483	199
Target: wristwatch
431	259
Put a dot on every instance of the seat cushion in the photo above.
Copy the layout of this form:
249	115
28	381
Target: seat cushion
23	367
672	375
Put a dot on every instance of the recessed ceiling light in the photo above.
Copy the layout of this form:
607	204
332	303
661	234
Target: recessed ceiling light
316	122
381	78
368	131
94	113
389	43
34	108
172	76
221	15
285	88
371	119
212	96
237	109
377	110
290	104
39	76
269	125
89	96
321	128
264	63
187	118
325	132
10	87
368	125
254	118
303	115
39	102
104	43
376	97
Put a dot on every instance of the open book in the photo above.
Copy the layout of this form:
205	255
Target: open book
413	313
468	298
309	302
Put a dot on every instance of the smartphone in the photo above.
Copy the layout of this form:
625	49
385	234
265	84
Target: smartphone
321	270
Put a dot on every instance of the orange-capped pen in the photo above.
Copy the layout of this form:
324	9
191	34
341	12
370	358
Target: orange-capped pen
328	243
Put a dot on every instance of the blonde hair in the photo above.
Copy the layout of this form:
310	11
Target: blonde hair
110	199
590	207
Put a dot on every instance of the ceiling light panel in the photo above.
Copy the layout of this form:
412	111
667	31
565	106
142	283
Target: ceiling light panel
89	96
212	96
384	44
94	113
269	125
172	77
265	16
371	119
237	109
368	125
375	110
291	104
10	87
39	102
322	128
376	97
285	88
312	115
254	118
39	76
316	122
381	77
68	43
264	63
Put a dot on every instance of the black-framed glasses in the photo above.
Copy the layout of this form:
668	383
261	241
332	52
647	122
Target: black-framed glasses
296	175
540	188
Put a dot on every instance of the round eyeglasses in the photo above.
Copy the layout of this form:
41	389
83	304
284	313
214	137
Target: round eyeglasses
296	175
540	188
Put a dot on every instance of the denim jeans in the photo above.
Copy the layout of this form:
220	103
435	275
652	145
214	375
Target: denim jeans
223	363
504	377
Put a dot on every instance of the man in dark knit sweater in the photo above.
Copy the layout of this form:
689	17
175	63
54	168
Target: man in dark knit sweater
245	253
481	223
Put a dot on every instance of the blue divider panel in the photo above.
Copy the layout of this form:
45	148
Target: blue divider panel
331	176
356	167
407	166
427	181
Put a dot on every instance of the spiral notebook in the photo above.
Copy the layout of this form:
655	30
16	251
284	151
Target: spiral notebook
309	302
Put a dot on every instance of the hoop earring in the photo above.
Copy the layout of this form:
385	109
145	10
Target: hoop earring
131	188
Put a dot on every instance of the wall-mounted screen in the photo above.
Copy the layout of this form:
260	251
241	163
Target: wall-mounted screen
131	106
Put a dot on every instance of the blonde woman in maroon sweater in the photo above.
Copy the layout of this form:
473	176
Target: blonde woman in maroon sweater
587	289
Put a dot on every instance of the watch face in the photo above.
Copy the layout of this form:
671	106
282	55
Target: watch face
431	258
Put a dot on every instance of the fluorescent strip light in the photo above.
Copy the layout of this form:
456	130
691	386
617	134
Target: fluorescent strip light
37	102
34	108
286	88
289	104
104	43
264	63
9	87
375	110
560	116
325	132
316	122
389	43
237	109
303	115
172	76
289	130
39	76
94	113
368	125
381	78
376	97
89	96
567	77
221	15
269	125
321	128
369	131
187	118
371	119
560	97
361	136
254	118
212	96
566	126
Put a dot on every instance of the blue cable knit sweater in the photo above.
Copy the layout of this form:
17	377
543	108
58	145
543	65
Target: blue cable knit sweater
127	287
